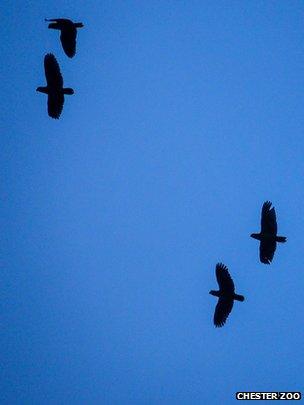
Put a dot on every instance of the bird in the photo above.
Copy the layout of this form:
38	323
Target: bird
54	88
68	33
225	294
268	236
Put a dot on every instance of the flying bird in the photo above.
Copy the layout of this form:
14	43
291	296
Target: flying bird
68	33
225	294
54	88
268	236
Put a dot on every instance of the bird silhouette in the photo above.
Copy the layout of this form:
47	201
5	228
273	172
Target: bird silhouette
54	88
68	33
225	294
268	236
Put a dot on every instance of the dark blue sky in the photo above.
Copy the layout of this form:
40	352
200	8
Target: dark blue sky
187	116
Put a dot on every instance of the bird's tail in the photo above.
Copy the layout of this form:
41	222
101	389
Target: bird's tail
68	91
281	239
238	297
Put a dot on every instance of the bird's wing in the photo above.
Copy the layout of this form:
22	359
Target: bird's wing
222	310
267	249
68	39
223	278
52	71
55	104
268	219
58	20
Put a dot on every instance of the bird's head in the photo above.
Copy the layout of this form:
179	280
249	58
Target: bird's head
215	293
42	90
255	235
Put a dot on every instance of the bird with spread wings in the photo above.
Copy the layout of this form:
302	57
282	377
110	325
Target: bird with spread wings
225	294
68	33
54	88
268	236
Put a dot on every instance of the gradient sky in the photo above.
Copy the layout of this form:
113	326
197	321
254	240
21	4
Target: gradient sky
187	116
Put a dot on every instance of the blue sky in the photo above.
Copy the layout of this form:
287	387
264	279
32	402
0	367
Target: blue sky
186	117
